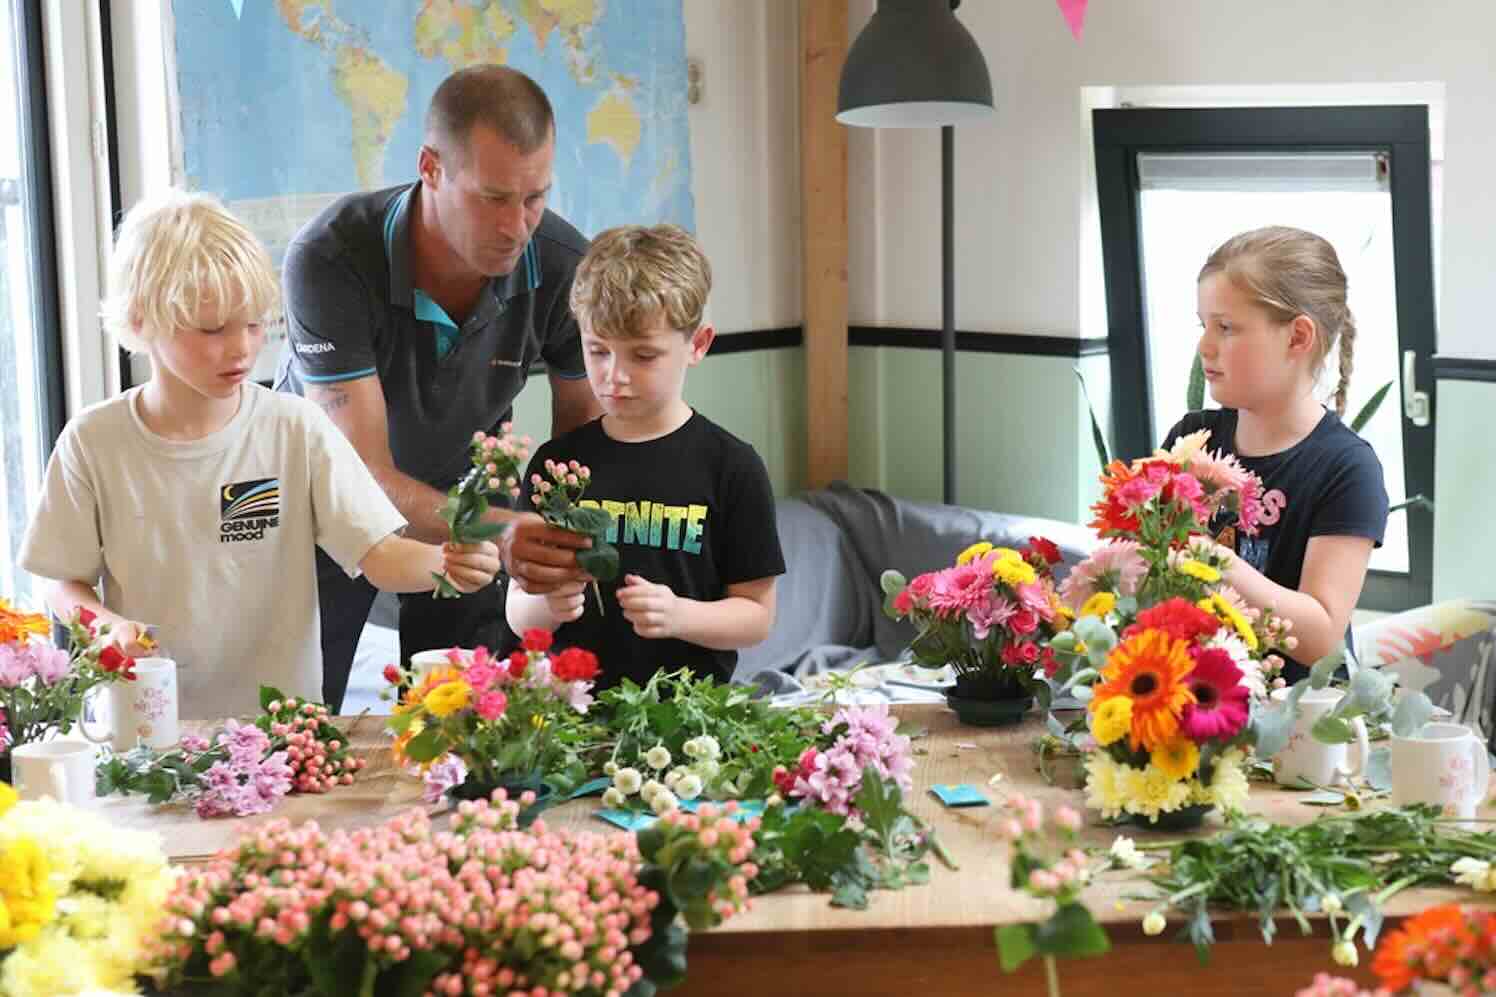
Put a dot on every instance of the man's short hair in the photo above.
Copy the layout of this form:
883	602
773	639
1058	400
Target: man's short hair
635	276
503	99
175	251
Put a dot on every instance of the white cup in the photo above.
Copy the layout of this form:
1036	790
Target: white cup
63	770
1443	764
144	711
423	663
1311	760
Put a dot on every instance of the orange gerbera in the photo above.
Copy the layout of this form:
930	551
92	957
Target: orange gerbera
1111	515
1433	936
17	627
1148	668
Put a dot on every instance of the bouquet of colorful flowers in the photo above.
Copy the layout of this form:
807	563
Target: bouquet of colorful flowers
866	739
557	496
484	722
79	899
242	769
496	462
1174	663
41	686
989	616
481	909
1446	949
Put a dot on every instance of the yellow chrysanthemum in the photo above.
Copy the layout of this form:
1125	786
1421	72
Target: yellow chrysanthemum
1198	569
1014	572
1149	668
1227	613
8	798
1104	789
449	697
17	626
973	552
26	893
1007	554
1228	787
1099	604
1113	719
1177	758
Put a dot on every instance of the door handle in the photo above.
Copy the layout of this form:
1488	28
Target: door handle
1415	402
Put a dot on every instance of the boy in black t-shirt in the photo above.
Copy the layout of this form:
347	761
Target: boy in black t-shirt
693	511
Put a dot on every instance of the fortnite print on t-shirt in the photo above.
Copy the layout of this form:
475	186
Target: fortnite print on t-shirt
1255	549
246	509
654	524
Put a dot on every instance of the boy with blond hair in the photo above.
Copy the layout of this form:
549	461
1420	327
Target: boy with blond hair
199	497
692	507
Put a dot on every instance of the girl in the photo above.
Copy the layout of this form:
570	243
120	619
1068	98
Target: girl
1272	307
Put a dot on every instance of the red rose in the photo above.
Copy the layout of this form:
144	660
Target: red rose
1050	662
538	640
1023	622
112	659
518	662
1046	549
86	616
574	665
392	674
1028	652
1011	655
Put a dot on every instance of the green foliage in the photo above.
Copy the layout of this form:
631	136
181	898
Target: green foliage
1070	931
495	470
1097	436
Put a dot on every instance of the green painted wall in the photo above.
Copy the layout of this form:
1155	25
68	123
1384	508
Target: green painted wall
1464	482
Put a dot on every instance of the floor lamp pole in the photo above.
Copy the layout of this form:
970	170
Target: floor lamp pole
948	307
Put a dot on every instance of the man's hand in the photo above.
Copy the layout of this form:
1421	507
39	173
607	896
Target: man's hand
649	607
541	557
469	567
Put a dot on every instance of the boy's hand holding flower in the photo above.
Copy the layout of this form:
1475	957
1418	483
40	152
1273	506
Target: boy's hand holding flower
566	601
469	567
652	609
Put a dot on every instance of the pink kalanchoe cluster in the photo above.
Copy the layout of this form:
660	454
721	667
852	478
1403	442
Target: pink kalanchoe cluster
866	737
249	780
494	910
1054	870
1325	985
316	750
570	476
500	457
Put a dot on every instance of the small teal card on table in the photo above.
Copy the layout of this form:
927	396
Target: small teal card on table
960	796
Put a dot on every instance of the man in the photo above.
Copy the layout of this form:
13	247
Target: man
414	315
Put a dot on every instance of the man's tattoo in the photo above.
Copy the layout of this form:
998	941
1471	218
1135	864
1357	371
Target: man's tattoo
331	399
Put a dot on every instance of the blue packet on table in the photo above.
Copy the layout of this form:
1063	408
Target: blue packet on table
961	795
629	820
591	788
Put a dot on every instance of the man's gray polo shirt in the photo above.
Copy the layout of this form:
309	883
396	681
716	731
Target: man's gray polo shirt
351	311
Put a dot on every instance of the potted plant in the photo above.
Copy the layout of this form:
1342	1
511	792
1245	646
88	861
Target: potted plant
989	616
484	723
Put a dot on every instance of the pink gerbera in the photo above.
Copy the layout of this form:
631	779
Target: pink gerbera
1220	707
1115	566
1227	483
961	588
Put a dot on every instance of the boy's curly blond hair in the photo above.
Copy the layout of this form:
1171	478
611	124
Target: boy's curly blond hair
635	276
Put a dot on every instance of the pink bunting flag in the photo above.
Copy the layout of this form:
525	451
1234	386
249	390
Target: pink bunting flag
1075	15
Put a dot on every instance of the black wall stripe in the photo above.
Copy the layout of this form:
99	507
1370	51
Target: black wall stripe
1447	368
977	342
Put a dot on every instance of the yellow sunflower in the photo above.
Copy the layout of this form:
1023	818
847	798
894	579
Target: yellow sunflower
1148	668
1176	758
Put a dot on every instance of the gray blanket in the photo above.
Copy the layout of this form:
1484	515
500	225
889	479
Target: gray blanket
837	542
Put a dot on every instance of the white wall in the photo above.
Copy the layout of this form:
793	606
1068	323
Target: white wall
1019	178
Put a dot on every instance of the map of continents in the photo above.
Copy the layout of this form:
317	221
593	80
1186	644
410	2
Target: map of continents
286	104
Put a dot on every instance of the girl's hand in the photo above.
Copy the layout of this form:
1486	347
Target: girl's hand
651	608
469	567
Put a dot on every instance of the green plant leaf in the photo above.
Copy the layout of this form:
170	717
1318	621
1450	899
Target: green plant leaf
1072	931
411	977
479	532
1015	945
1194	395
1333	730
1325	668
587	519
426	746
1413	710
270	694
333	959
1097	436
1370	408
600	561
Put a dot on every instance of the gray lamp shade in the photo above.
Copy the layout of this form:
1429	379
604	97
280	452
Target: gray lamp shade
914	66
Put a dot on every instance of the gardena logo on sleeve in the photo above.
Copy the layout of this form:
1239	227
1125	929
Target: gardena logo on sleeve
247	509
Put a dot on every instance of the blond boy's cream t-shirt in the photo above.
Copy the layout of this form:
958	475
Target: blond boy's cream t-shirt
214	539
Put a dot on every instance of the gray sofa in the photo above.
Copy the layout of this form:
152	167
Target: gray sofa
837	542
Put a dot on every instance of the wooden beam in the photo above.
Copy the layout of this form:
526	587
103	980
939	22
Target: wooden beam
823	220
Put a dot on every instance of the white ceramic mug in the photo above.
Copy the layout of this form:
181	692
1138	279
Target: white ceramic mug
1444	764
424	662
1312	760
144	711
63	770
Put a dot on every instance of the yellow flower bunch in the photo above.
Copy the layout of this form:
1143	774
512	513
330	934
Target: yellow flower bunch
1099	604
1113	720
1011	569
448	698
973	552
81	899
1198	569
1227	613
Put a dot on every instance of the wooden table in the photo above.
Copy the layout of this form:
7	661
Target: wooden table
935	939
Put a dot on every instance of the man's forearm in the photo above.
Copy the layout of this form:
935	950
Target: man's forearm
421	505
